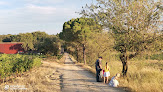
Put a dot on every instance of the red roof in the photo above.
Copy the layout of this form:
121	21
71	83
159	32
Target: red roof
11	48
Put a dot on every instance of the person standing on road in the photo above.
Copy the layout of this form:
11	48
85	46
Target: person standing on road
98	68
106	73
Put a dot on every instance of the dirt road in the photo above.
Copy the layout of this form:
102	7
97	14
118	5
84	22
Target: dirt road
76	79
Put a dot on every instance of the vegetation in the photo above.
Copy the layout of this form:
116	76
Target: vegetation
133	25
11	64
78	31
157	56
143	75
35	42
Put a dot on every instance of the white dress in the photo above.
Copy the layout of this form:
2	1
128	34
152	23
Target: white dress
106	74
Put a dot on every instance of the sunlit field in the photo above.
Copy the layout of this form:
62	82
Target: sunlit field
143	75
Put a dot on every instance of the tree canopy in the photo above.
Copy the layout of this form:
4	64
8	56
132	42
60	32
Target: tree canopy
80	31
133	24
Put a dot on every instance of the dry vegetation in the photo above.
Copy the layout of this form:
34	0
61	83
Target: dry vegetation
143	76
45	79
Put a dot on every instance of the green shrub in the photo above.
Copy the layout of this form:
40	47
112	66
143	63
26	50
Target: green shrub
10	64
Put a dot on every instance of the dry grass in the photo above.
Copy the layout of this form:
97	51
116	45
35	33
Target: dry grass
42	79
143	76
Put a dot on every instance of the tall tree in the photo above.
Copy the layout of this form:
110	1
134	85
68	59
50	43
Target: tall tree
79	30
133	24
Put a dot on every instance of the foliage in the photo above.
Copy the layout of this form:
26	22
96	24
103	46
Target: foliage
27	38
133	24
50	45
39	37
35	42
79	31
10	64
5	38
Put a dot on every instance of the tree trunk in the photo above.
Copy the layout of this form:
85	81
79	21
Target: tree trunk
77	56
125	68
84	56
125	65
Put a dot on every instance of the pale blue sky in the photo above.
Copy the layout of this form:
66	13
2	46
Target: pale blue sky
21	16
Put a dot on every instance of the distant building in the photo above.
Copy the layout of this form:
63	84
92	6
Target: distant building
11	47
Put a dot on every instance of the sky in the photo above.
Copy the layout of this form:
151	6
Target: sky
22	16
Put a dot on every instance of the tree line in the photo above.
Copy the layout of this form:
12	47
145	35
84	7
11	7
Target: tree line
35	42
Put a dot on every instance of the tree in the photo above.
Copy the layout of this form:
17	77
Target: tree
38	37
7	38
133	24
27	40
50	45
79	31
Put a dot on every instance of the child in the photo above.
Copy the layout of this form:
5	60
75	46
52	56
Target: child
106	73
114	81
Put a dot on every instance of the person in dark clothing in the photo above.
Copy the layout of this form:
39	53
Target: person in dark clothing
98	68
